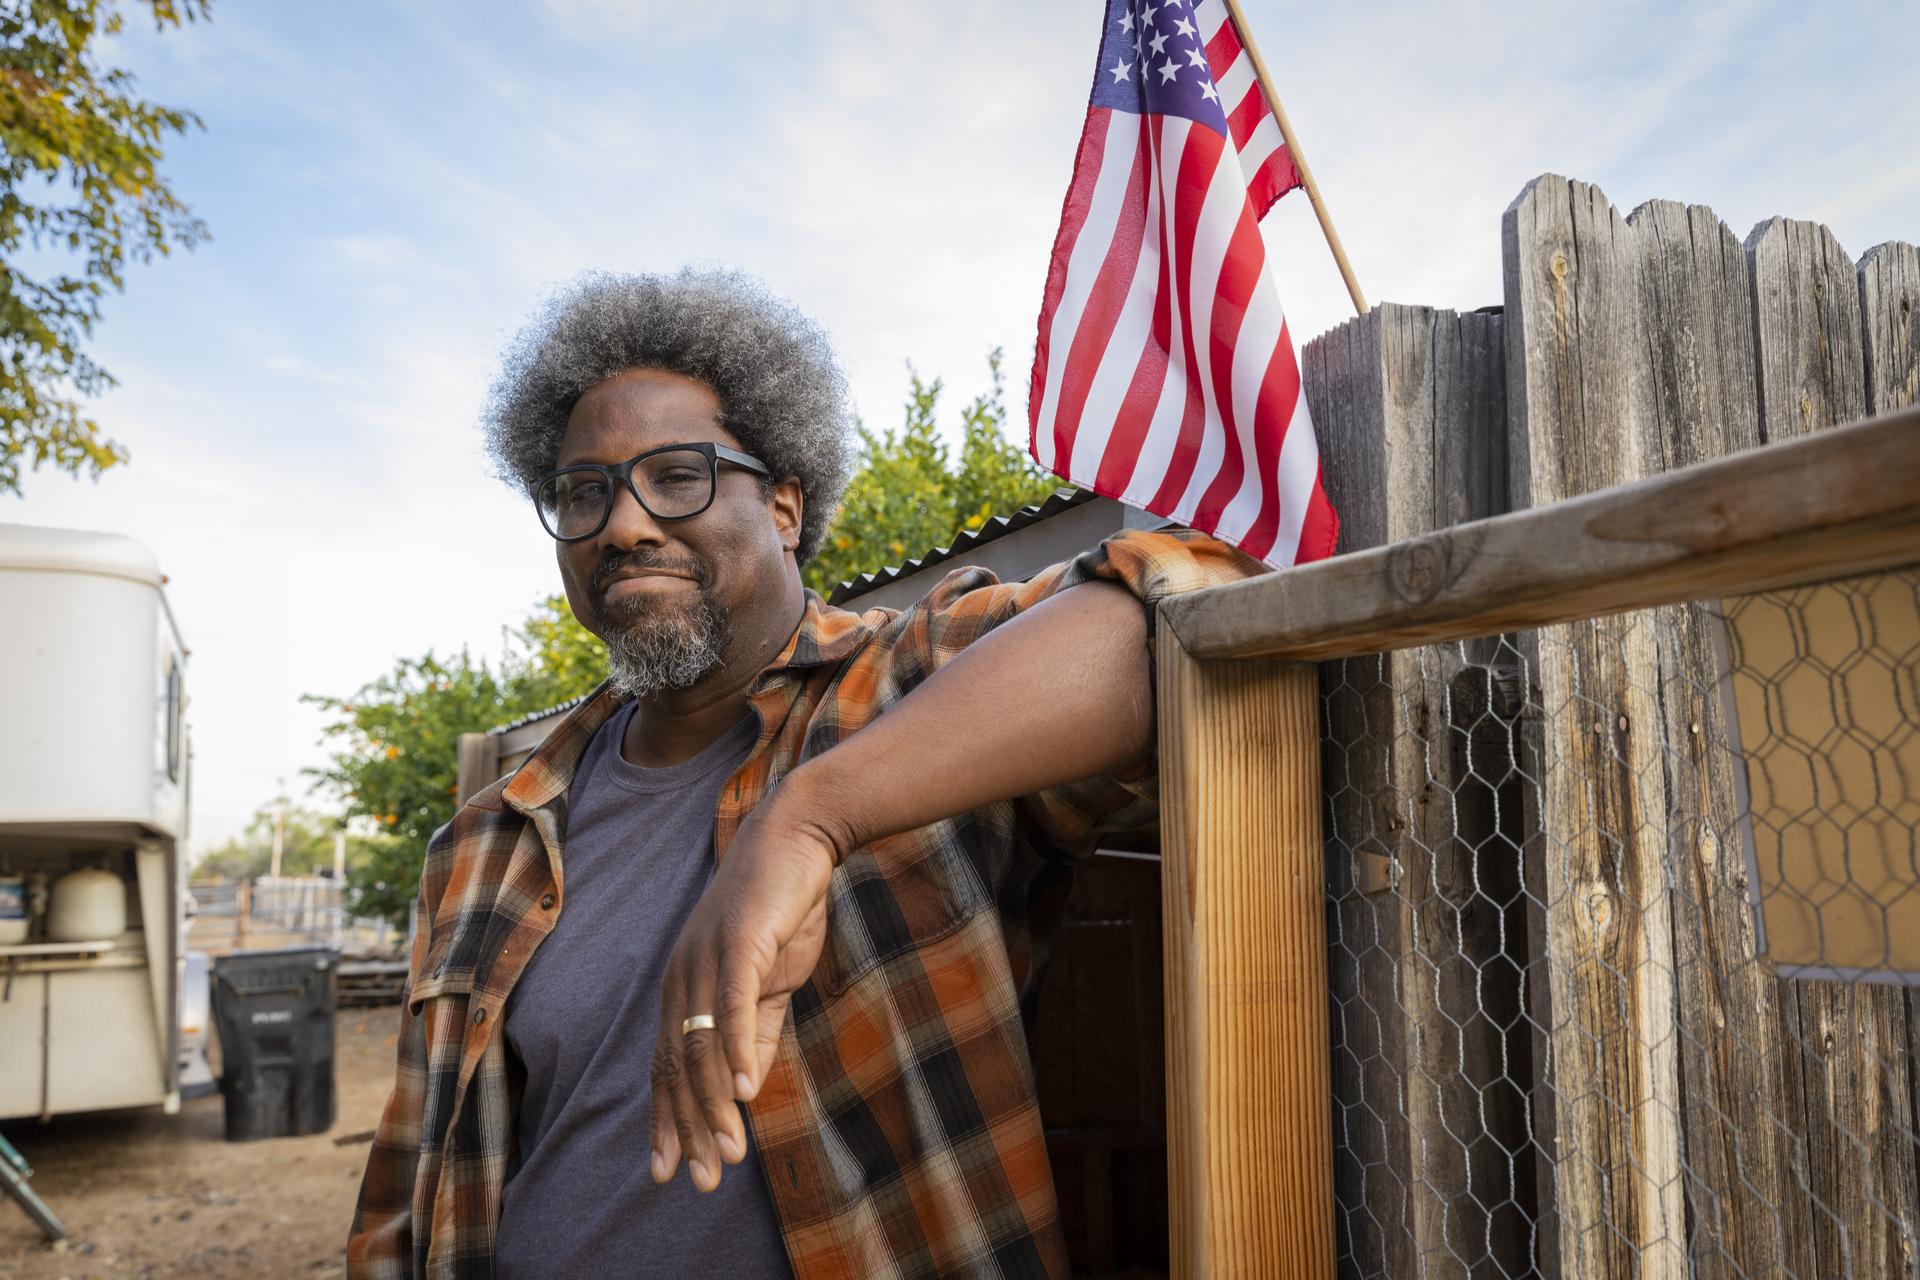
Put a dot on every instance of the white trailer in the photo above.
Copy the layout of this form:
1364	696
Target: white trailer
99	1006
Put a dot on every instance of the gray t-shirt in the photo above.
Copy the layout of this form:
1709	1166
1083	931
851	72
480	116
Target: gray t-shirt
579	1199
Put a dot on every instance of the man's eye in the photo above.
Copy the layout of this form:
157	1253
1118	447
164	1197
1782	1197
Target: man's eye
680	477
587	491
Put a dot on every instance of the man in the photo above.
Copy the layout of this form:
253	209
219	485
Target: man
731	915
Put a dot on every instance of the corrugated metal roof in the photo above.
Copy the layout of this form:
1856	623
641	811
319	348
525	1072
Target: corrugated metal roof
531	716
966	540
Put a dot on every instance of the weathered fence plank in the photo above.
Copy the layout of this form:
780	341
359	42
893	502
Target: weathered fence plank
1341	375
1736	1073
1409	405
1807	329
1890	315
1472	1216
1851	1038
1580	413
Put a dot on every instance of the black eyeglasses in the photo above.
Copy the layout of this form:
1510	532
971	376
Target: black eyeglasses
673	482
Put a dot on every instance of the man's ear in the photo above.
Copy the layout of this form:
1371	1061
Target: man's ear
789	506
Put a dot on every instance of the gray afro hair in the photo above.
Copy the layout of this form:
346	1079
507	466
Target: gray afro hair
781	391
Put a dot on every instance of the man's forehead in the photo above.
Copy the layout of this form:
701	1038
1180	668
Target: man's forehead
640	409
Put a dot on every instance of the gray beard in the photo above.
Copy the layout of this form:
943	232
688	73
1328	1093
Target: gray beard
648	652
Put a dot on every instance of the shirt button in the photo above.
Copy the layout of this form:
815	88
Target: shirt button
546	902
479	1015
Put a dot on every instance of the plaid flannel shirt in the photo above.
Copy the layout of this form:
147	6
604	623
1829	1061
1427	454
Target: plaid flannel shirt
897	1128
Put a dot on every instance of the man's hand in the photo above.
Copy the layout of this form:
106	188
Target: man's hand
748	946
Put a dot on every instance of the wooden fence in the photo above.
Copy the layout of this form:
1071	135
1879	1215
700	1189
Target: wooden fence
1505	888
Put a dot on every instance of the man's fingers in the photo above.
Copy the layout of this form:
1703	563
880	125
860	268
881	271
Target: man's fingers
703	1162
665	1142
667	1070
739	1005
708	1079
769	1019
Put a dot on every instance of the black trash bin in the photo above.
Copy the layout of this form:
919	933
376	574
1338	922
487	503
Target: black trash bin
274	1012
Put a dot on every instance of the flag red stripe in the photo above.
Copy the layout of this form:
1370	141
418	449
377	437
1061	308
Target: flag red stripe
1274	178
1073	217
1198	160
1279	397
1130	426
1320	531
1222	50
1122	454
1102	310
1245	118
1239	273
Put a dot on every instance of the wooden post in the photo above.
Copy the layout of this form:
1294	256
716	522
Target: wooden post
1249	1124
279	830
477	765
242	914
1850	1038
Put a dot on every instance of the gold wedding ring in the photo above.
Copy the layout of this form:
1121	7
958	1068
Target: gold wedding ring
698	1022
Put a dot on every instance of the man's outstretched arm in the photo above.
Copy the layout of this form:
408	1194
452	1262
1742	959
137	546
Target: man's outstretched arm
1055	694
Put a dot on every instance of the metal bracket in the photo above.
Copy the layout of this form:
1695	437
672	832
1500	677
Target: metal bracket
1375	872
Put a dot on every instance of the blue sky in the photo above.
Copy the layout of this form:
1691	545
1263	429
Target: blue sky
392	188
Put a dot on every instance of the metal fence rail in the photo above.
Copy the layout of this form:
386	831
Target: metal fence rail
280	910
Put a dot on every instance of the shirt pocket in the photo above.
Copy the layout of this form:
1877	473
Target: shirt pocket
894	897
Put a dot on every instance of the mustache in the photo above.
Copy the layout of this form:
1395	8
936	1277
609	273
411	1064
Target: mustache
616	563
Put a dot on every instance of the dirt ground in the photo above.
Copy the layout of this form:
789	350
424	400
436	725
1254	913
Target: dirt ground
146	1196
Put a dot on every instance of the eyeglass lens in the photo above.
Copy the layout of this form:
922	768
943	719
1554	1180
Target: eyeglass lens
670	484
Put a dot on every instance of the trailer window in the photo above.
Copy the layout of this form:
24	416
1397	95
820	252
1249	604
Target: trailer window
174	719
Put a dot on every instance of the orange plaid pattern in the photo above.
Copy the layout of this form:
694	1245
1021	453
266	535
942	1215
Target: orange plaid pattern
897	1127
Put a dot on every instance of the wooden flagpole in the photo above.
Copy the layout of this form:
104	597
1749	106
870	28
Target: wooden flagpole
1299	158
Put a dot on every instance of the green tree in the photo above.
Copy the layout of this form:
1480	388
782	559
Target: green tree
908	496
564	659
393	755
80	192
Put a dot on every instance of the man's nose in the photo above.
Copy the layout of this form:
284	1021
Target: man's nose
629	524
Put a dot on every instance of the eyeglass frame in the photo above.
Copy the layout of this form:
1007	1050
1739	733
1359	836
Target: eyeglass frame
621	474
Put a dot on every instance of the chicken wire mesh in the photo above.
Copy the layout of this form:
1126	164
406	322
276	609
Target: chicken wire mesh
1620	920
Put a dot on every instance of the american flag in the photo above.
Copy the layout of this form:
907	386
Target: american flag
1164	374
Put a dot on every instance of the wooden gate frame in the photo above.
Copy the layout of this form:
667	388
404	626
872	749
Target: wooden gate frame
1250	1140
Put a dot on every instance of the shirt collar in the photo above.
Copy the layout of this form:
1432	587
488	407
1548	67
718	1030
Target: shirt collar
826	636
